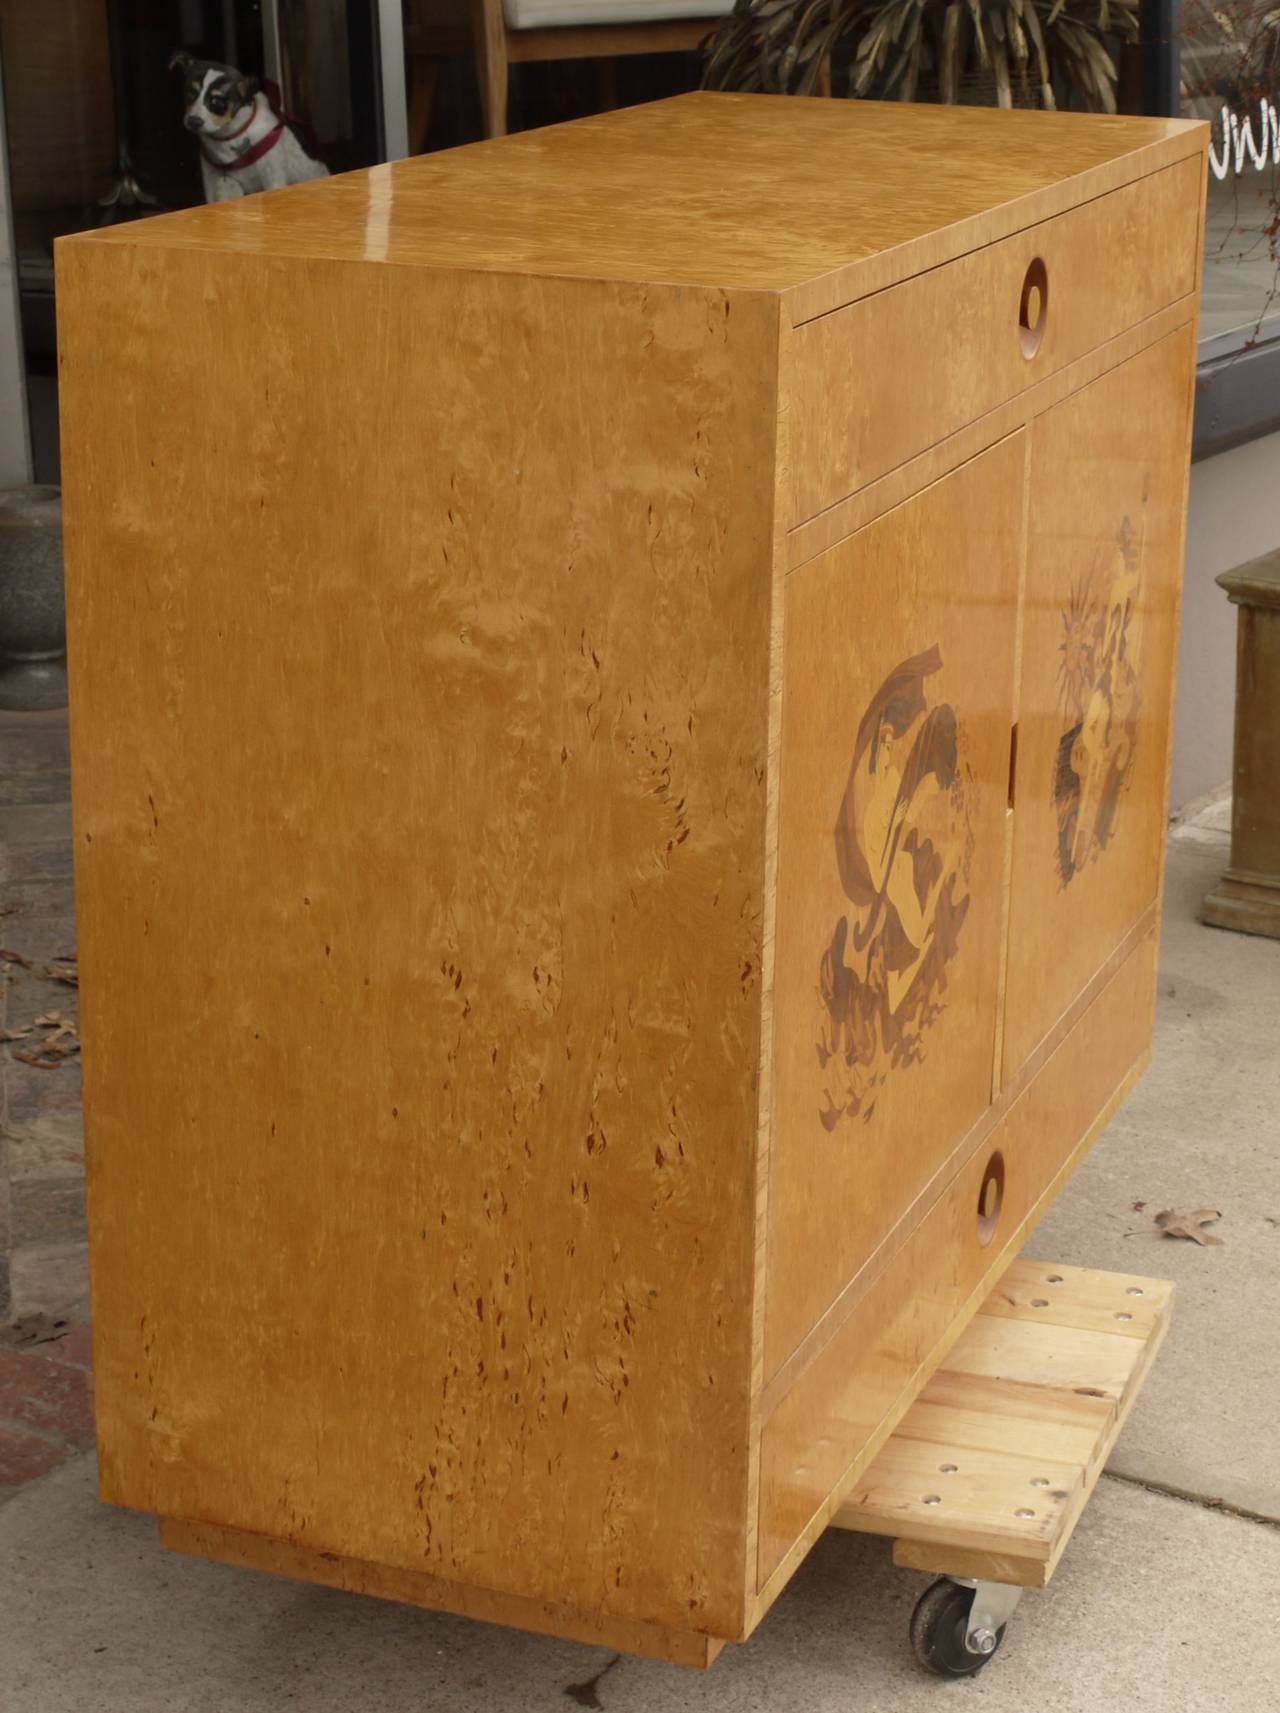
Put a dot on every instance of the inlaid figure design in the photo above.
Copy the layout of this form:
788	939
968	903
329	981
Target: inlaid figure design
1101	697
904	844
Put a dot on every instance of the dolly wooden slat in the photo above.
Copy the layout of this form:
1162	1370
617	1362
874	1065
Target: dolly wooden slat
1081	1297
1058	1357
988	1473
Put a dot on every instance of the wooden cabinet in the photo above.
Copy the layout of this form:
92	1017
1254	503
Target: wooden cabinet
620	719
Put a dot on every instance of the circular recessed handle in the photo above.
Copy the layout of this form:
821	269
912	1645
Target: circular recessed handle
1033	311
990	1199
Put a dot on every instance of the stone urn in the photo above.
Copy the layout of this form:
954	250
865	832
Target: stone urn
33	630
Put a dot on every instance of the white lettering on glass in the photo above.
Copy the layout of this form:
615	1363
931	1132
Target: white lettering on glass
1238	141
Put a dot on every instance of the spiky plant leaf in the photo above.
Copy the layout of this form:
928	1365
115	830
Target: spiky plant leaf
1023	46
949	55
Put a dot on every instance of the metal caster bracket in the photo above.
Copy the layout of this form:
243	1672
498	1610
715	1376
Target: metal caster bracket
993	1605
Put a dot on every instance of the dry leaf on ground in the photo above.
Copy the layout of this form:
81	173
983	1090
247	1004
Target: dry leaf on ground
1170	1223
63	968
57	1046
1190	1225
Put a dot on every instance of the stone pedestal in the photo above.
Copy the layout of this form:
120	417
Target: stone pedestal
1248	895
33	633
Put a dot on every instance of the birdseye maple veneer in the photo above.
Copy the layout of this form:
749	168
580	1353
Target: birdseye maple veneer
621	692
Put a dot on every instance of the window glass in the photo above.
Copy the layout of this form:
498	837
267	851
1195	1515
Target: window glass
1231	77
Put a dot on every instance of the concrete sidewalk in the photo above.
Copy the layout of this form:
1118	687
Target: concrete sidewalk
1201	1130
1164	1603
1159	1605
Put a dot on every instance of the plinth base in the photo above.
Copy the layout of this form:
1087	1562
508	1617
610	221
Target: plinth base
1249	905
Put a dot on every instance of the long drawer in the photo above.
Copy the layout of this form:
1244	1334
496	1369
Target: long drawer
980	330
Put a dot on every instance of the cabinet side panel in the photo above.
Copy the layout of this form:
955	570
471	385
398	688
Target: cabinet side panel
419	642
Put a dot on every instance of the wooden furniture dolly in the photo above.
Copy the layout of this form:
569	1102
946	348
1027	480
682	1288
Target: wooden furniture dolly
619	832
989	1471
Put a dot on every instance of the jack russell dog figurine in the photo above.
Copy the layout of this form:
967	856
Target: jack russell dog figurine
245	145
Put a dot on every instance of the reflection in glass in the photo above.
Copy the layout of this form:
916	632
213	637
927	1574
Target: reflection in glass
1231	77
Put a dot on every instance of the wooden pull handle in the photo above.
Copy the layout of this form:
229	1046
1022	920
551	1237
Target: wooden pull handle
1033	311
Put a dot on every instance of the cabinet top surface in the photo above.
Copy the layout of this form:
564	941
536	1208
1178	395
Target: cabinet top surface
742	192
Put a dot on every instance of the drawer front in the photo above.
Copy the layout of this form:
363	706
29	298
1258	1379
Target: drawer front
827	1427
893	809
1107	480
885	378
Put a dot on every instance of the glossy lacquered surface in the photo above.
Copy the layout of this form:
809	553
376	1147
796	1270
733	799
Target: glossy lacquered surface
749	192
560	938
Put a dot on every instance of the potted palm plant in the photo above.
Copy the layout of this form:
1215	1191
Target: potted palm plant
1041	53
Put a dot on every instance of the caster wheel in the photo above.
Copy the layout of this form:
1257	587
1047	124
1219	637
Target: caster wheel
938	1627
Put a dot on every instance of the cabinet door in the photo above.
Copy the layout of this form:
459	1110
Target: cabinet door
1104	559
897	708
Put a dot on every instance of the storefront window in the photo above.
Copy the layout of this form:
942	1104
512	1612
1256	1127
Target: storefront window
1231	77
93	125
